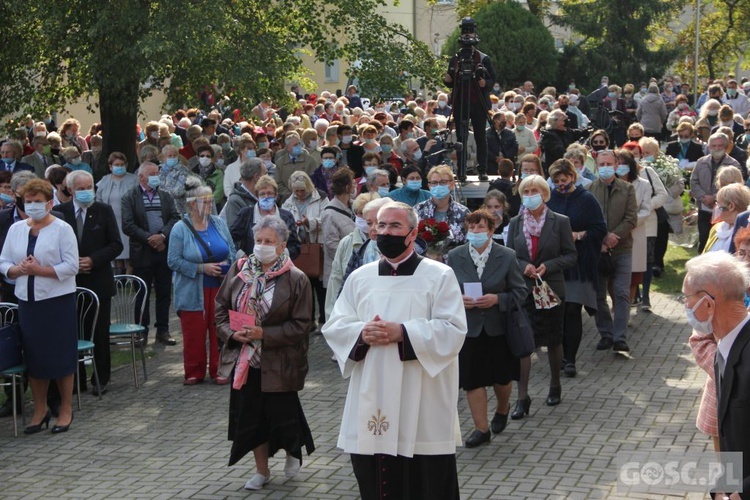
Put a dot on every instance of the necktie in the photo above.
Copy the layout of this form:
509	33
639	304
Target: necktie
79	224
720	364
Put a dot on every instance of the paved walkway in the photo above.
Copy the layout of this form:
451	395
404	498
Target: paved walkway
165	440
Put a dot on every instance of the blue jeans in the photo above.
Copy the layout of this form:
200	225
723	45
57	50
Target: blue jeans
617	328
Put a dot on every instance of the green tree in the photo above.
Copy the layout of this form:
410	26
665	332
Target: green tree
119	52
617	39
520	47
467	8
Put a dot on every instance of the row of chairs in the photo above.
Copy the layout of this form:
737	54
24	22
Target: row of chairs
124	330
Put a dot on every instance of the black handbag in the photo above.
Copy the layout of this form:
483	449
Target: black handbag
518	333
11	348
606	265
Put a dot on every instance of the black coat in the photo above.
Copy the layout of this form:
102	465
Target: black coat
101	242
242	231
554	143
694	151
501	143
135	223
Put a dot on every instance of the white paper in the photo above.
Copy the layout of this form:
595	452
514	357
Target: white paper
473	290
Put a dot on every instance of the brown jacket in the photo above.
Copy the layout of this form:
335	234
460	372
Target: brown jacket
620	211
285	330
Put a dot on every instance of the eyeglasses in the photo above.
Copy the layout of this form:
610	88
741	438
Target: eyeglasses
438	183
682	299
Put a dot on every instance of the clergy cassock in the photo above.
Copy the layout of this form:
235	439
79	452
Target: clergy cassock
402	398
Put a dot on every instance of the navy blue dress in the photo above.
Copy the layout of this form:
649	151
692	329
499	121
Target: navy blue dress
49	329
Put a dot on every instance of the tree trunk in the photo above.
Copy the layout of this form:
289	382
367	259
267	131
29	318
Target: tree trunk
118	109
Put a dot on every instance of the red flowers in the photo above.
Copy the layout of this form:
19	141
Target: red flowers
431	230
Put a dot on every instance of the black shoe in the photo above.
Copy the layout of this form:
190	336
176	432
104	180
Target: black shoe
621	346
33	429
57	429
483	177
165	339
570	370
553	399
499	421
101	392
605	343
522	407
478	437
656	271
7	409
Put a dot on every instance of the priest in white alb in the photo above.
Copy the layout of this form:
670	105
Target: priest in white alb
396	331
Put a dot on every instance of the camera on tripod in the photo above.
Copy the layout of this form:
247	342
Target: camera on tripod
468	68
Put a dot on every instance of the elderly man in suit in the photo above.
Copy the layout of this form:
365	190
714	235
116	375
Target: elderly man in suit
485	359
10	153
99	244
714	297
38	159
148	216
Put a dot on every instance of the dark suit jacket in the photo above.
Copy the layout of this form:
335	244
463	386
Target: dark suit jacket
20	167
733	403
501	276
135	224
499	143
100	241
694	151
556	249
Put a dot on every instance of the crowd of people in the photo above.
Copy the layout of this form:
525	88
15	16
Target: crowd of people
585	192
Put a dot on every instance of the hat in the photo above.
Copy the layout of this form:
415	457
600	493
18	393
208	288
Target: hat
573	98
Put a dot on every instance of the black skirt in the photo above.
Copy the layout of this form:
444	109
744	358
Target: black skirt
484	361
257	417
546	323
49	329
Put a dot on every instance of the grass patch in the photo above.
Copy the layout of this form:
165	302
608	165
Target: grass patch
674	269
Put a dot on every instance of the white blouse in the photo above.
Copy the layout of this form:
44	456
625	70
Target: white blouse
56	246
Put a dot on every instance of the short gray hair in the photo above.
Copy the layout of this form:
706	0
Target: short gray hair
575	154
719	135
376	204
169	148
143	165
274	223
721	271
250	168
19	179
411	214
70	180
147	151
378	172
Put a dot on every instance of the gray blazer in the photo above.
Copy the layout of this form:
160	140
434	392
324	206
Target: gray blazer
501	276
556	249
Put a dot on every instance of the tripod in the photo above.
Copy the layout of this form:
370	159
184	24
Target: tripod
465	78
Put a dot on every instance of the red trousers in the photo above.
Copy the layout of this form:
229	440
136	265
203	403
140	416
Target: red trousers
195	326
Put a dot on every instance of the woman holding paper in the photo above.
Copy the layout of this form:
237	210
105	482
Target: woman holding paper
267	362
489	277
200	253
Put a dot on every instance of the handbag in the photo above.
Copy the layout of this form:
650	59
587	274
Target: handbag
661	213
606	265
11	347
310	258
544	296
518	332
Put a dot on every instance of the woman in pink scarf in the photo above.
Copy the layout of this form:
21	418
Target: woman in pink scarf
267	360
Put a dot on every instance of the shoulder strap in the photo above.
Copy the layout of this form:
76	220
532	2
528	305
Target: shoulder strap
342	212
653	191
200	240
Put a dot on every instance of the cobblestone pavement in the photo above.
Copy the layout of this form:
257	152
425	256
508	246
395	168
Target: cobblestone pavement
166	440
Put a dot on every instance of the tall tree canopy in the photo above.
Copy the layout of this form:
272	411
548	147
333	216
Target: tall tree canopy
616	38
520	47
118	52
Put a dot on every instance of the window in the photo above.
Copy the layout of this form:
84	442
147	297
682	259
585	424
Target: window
332	72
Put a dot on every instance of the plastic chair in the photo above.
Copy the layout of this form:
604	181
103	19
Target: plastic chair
126	328
9	314
87	309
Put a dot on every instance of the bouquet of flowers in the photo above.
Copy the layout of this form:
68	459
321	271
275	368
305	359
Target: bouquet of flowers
667	168
436	234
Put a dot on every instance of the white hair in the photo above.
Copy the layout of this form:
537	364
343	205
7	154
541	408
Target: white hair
70	179
722	272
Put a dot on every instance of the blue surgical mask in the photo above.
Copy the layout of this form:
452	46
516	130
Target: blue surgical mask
439	192
413	185
622	170
262	145
154	181
418	155
383	191
477	239
267	203
328	163
606	173
8	161
297	150
37	210
648	158
524	175
250	153
119	170
386	148
369	170
703	327
520	128
6	199
612	95
85	196
687	140
532	202
170	162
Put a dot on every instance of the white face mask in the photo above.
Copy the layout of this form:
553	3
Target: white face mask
204	161
702	327
265	253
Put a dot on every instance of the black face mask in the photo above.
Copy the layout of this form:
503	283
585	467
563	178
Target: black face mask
19	203
634	139
391	245
66	192
564	107
598	147
55	151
